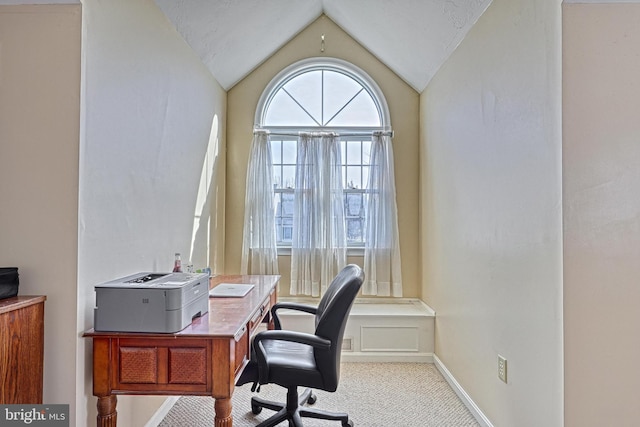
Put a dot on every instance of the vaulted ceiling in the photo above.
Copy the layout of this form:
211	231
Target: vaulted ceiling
412	37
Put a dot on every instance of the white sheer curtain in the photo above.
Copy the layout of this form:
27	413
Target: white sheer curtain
382	245
318	249
259	251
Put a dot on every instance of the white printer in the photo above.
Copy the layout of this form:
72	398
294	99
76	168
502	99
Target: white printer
151	302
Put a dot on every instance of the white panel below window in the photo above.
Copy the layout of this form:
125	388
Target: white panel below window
389	338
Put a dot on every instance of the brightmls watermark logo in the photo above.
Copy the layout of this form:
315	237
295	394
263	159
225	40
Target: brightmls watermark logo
34	415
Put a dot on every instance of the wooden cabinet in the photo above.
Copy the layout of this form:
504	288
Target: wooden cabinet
161	364
21	349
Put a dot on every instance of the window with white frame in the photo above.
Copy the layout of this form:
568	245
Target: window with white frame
329	95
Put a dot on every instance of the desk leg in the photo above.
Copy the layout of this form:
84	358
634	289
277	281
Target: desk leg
107	415
223	413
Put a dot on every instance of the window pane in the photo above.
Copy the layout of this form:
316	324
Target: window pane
354	230
354	153
288	176
284	217
365	177
289	152
277	201
353	204
276	152
287	230
277	177
284	230
338	90
287	204
283	111
366	152
361	111
307	90
278	229
354	177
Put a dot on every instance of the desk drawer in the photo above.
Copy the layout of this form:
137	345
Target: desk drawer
242	354
259	315
165	363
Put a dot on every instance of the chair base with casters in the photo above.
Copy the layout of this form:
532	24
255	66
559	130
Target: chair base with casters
294	411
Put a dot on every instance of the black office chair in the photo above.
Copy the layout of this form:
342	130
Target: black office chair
291	359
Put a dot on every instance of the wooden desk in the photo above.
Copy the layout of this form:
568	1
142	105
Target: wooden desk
204	359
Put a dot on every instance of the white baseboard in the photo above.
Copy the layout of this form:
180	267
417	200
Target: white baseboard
384	357
162	411
466	399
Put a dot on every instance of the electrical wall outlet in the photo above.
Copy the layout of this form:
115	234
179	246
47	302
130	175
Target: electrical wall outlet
502	368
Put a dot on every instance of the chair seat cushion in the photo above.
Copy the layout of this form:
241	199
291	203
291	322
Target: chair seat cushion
292	364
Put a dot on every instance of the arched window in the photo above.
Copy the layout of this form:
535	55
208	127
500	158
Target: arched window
322	150
323	93
330	95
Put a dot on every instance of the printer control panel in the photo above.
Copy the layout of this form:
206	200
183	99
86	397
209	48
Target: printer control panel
146	278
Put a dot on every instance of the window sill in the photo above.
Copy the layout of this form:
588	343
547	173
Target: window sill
373	306
357	252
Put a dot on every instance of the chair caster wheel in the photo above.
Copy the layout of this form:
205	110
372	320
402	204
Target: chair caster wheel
312	399
348	423
256	409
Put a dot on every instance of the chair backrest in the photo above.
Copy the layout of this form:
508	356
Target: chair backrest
331	319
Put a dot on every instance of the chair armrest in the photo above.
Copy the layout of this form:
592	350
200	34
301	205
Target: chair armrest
290	306
291	336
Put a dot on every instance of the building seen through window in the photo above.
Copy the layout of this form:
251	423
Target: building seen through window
355	154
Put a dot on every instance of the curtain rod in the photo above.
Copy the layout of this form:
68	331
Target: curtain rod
363	133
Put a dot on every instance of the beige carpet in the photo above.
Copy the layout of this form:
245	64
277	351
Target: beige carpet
373	394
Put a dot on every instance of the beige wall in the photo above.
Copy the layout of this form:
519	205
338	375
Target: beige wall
403	106
108	123
151	149
601	203
39	140
491	212
39	134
